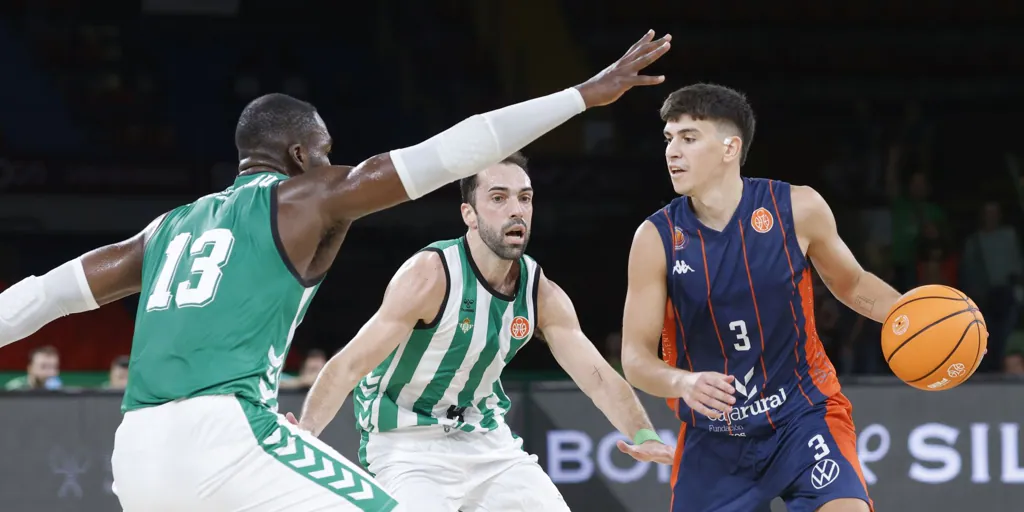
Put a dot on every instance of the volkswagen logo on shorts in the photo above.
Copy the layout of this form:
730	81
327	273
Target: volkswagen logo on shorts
825	472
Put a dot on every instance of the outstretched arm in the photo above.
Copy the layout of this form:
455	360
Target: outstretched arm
859	289
577	355
474	144
82	284
415	293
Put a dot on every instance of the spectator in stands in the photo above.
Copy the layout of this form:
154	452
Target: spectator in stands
118	374
1013	363
43	371
935	263
912	209
311	366
992	273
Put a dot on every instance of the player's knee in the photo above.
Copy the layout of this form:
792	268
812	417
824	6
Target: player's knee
845	505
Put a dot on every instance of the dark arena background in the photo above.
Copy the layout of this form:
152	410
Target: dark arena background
906	116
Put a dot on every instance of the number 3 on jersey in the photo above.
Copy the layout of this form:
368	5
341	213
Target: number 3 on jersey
207	267
744	341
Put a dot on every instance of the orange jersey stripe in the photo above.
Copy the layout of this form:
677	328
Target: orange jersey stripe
757	315
711	308
676	461
823	374
792	280
669	353
839	418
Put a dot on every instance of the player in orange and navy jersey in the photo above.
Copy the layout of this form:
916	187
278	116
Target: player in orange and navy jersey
722	277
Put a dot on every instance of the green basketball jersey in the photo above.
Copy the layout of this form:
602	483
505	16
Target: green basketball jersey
219	305
448	373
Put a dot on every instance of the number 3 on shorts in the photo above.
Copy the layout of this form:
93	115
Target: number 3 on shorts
820	448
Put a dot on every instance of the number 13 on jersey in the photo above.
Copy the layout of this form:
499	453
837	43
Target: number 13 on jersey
208	268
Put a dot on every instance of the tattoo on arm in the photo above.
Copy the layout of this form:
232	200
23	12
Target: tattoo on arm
866	303
598	373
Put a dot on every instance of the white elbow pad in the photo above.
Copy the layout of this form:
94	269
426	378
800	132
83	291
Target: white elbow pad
36	301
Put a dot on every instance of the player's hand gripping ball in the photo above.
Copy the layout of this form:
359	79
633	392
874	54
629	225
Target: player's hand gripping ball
934	338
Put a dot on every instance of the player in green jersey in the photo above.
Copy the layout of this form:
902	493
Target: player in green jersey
225	281
429	401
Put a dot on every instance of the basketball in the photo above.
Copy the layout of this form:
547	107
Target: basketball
934	338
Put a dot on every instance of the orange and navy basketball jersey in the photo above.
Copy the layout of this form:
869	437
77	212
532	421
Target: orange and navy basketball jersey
740	302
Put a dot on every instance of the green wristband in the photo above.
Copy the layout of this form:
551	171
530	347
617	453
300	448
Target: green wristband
645	434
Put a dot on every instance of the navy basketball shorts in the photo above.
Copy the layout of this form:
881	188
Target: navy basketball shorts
809	461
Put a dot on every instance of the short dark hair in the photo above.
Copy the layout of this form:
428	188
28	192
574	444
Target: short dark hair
46	350
468	185
273	120
714	103
316	353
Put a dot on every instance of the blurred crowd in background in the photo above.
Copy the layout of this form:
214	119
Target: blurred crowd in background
905	121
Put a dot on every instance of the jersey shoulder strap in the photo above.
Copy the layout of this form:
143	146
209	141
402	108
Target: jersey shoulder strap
674	236
530	280
530	283
449	252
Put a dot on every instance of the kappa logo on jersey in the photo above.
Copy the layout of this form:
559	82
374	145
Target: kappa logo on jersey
681	267
465	325
824	473
520	327
761	220
679	239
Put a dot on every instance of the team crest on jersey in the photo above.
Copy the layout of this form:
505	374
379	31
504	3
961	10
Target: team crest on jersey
520	327
679	238
761	220
465	325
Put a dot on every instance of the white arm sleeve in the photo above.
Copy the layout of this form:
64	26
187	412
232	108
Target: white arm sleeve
36	301
481	141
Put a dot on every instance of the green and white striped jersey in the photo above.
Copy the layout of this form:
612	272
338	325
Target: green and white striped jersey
448	372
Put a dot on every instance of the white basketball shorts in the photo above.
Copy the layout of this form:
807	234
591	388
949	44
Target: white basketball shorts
430	470
222	454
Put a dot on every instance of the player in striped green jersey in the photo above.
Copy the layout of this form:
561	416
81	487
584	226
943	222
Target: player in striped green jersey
429	401
225	281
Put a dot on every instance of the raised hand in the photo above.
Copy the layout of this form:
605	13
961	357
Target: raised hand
709	393
611	83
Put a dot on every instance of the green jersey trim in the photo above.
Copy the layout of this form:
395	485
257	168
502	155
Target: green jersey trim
275	232
447	290
468	255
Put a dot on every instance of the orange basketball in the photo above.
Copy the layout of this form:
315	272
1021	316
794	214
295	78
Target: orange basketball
934	337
